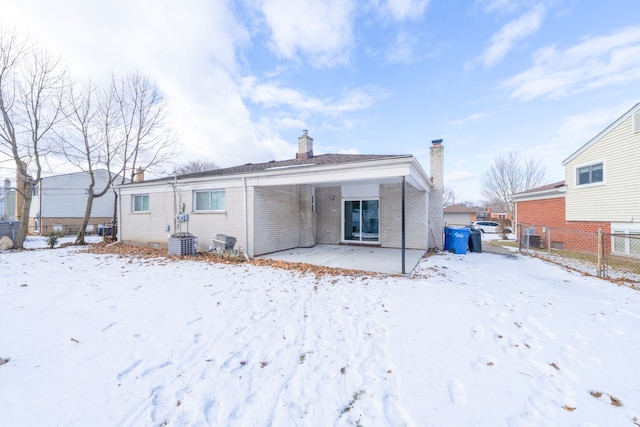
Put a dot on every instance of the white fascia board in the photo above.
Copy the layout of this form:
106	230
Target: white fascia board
202	183
540	195
360	171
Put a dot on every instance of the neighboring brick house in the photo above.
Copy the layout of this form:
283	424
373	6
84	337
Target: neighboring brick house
600	191
459	215
496	214
280	205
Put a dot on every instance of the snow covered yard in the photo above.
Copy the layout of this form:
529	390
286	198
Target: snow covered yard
476	339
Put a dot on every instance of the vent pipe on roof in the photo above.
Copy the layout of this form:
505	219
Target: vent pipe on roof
305	146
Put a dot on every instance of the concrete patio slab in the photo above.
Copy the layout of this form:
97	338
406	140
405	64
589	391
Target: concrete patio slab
372	259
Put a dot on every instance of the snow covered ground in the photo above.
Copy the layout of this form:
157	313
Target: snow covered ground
471	340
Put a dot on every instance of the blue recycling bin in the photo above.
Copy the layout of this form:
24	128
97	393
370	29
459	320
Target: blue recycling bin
456	240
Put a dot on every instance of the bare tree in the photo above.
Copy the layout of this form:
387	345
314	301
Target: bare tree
142	130
31	87
511	174
195	166
121	129
449	197
88	144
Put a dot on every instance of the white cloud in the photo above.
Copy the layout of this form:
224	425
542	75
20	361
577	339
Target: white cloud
499	6
401	10
470	118
403	51
596	62
318	29
273	95
574	132
503	41
459	176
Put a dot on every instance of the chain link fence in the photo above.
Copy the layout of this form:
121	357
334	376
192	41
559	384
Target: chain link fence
612	256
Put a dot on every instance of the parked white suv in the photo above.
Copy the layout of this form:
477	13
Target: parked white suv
489	227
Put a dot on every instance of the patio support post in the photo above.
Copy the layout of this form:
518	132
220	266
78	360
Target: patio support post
403	229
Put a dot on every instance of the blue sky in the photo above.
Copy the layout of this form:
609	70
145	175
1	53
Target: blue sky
243	78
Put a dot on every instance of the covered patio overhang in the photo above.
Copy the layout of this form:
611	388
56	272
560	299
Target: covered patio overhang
397	170
386	171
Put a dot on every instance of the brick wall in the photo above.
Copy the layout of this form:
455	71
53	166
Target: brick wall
276	219
154	228
205	225
328	211
391	217
70	225
307	220
572	235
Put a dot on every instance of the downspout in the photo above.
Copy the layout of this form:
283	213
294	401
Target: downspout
40	208
403	229
119	213
175	206
246	218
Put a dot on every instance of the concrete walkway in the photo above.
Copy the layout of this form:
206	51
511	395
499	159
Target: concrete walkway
373	259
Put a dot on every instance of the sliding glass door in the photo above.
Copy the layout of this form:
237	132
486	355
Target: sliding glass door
361	220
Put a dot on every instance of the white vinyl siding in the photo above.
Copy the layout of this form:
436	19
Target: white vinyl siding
617	197
140	203
64	196
210	200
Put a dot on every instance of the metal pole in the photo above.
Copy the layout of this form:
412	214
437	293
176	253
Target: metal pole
403	229
600	266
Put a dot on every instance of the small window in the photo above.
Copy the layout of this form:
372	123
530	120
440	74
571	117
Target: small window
626	243
589	174
636	122
211	200
140	203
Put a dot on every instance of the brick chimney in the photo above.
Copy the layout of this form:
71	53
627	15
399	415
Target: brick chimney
436	198
139	175
305	146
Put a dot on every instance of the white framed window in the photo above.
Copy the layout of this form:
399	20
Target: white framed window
625	242
140	203
590	174
208	200
636	122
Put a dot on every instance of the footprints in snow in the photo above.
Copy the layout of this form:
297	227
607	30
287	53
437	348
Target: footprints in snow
457	392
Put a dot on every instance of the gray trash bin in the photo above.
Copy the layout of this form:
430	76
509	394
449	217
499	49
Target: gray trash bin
475	241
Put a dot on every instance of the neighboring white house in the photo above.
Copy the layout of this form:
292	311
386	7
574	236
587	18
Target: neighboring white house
59	203
279	205
601	191
7	201
603	176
